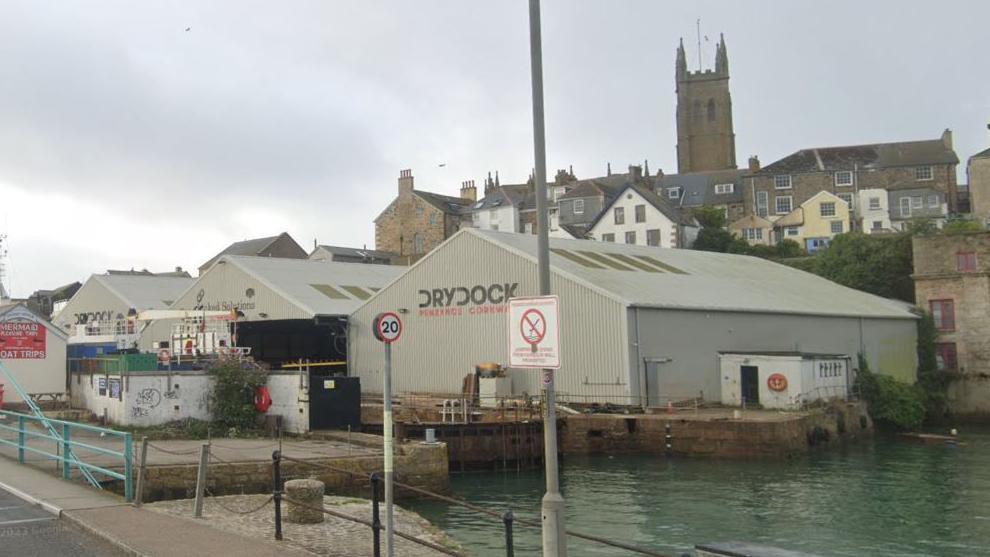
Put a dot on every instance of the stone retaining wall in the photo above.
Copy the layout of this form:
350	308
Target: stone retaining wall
725	438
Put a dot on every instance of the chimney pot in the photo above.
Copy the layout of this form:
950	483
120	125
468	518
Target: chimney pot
754	164
405	181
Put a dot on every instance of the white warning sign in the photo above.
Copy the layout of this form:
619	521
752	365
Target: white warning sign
534	334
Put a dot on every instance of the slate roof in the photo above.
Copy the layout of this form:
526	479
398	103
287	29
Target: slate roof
606	186
143	292
698	188
579	231
982	154
355	253
255	246
697	280
446	203
514	194
877	155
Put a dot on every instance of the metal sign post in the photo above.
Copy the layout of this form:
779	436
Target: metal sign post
388	329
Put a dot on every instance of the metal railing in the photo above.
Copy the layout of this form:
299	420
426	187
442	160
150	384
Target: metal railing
68	449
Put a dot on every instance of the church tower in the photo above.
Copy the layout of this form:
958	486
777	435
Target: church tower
705	140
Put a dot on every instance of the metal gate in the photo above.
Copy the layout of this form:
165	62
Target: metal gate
334	402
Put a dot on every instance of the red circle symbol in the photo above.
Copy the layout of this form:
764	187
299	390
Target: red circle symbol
533	326
777	382
388	327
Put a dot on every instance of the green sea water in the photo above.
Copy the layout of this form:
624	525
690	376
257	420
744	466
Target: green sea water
883	498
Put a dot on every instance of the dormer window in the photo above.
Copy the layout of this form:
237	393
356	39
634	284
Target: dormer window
674	193
722	189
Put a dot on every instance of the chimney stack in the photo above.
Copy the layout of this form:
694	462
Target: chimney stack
635	172
947	138
405	181
468	191
754	164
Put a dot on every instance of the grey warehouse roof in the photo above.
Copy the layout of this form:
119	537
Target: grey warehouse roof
647	276
143	292
318	287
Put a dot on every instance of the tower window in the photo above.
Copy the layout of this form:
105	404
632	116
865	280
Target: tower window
711	110
697	111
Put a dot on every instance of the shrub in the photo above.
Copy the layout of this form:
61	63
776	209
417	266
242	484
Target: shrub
235	381
892	404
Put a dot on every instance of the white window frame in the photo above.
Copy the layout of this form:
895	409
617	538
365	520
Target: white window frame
906	206
875	204
847	174
826	204
924	173
724	189
762	202
792	231
782	182
578	206
832	224
776	204
933	200
674	192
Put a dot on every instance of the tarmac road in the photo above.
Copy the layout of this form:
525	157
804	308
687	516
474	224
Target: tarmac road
27	530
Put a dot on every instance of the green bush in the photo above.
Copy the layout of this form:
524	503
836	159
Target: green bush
892	404
235	381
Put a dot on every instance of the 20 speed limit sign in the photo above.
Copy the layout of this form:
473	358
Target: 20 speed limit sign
388	327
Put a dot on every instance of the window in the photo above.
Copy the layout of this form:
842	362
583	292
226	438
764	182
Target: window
945	356
417	243
711	110
630	237
966	261
620	215
827	209
783	204
762	203
753	233
933	200
837	227
419	210
944	314
874	203
578	206
923	173
782	182
722	189
494	226
877	224
905	206
528	228
433	219
844	178
608	237
792	231
653	237
917	202
848	198
640	213
674	193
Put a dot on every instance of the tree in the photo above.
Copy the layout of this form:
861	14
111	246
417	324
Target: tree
878	264
961	226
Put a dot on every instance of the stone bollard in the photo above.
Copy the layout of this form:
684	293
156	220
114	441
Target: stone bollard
309	493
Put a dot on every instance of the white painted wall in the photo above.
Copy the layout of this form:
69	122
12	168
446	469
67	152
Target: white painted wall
869	216
38	375
807	379
148	399
504	219
654	220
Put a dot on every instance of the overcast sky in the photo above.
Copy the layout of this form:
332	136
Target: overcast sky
127	140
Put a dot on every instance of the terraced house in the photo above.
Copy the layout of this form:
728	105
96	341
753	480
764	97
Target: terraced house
921	168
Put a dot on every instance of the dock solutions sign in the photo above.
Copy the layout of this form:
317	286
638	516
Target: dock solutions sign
21	337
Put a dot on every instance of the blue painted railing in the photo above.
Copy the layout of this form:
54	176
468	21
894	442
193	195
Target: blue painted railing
70	452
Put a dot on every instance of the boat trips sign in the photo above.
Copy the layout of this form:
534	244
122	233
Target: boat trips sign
534	335
21	337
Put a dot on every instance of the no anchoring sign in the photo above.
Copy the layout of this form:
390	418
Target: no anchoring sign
534	336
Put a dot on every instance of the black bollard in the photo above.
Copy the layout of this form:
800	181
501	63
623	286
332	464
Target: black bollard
376	521
507	518
277	491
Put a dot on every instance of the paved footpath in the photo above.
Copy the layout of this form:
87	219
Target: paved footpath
131	530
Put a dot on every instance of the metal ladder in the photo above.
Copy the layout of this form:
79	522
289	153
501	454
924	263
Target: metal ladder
36	410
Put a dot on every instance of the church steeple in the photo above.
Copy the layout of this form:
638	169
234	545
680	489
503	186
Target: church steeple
721	56
681	65
705	137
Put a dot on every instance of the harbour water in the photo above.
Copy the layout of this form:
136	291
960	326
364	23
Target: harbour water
883	498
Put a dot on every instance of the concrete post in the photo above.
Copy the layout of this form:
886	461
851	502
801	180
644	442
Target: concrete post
204	462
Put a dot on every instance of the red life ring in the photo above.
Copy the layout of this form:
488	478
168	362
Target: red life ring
777	382
262	399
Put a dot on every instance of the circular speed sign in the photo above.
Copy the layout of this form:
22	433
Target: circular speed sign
388	327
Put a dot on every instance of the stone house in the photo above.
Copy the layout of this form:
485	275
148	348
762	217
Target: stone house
978	175
273	246
417	221
638	216
815	222
952	282
776	189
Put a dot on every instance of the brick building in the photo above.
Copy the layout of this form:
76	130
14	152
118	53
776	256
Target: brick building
978	174
952	282
776	189
417	221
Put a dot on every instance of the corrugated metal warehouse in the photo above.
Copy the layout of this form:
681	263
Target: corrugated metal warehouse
292	308
639	324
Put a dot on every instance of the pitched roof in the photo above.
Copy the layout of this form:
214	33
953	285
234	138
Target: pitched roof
514	194
875	155
984	154
698	188
355	253
661	204
446	203
647	276
255	246
143	292
751	221
3	292
22	312
578	231
594	187
317	287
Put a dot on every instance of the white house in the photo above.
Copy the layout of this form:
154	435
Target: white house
639	216
499	209
873	210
